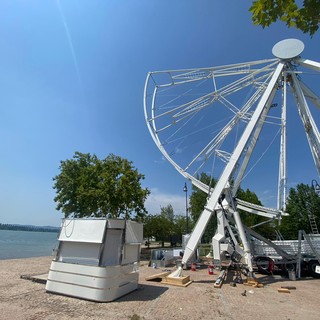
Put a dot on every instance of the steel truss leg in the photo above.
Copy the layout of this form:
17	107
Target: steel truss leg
212	203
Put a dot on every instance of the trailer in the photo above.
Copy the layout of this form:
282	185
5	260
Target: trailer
302	255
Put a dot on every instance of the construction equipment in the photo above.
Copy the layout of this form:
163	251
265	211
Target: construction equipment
200	121
287	255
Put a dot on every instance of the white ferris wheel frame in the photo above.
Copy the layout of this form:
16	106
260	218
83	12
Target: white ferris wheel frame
281	70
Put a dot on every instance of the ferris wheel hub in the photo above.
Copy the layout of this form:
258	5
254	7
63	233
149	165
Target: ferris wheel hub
288	48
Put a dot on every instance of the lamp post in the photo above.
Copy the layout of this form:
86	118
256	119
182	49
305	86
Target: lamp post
185	189
315	186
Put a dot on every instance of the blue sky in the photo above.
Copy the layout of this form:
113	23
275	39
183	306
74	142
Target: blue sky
72	79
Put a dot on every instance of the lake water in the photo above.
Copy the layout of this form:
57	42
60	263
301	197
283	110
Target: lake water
26	244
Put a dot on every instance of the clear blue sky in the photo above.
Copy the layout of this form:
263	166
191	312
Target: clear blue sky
72	79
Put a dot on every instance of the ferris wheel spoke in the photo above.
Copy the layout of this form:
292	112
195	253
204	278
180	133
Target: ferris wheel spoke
216	142
310	94
181	112
244	82
310	126
309	64
198	115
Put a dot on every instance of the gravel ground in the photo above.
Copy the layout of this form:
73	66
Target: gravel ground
24	299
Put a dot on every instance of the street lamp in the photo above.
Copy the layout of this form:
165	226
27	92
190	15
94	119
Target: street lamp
185	189
315	186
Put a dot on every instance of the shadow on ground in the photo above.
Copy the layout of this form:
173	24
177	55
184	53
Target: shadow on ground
144	292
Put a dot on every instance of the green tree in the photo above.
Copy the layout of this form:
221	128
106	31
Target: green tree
249	219
89	187
305	16
302	201
165	226
168	213
180	227
157	226
167	218
148	228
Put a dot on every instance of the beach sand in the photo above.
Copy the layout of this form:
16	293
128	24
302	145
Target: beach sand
24	299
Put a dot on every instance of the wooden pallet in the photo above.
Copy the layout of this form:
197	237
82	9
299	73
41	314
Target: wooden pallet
177	281
252	282
164	278
157	277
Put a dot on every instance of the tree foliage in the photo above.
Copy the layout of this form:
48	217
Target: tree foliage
165	226
248	219
304	16
89	187
302	201
167	212
159	227
179	228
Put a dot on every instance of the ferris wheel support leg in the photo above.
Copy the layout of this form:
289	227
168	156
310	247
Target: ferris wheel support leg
252	143
221	242
242	234
223	181
246	246
219	238
196	235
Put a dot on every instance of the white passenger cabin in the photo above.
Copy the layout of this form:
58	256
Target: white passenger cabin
97	259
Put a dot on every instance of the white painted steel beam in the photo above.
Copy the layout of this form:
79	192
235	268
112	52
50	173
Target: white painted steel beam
310	126
282	178
253	142
222	182
310	94
309	64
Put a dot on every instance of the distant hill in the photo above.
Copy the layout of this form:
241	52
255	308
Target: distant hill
19	227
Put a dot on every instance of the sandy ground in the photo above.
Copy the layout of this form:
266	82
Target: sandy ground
24	299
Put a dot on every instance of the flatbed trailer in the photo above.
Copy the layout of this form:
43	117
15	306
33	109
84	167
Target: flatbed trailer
300	255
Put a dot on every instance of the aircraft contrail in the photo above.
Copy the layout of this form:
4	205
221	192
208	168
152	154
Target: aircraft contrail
73	54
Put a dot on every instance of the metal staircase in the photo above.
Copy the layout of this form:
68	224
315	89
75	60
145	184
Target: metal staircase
313	224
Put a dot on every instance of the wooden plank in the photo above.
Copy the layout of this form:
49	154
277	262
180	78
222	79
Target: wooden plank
288	287
40	278
177	280
176	283
283	290
157	276
166	279
254	284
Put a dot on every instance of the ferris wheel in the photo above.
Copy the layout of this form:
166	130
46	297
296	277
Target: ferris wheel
213	119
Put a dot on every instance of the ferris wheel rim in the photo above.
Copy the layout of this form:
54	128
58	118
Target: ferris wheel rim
194	75
150	118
